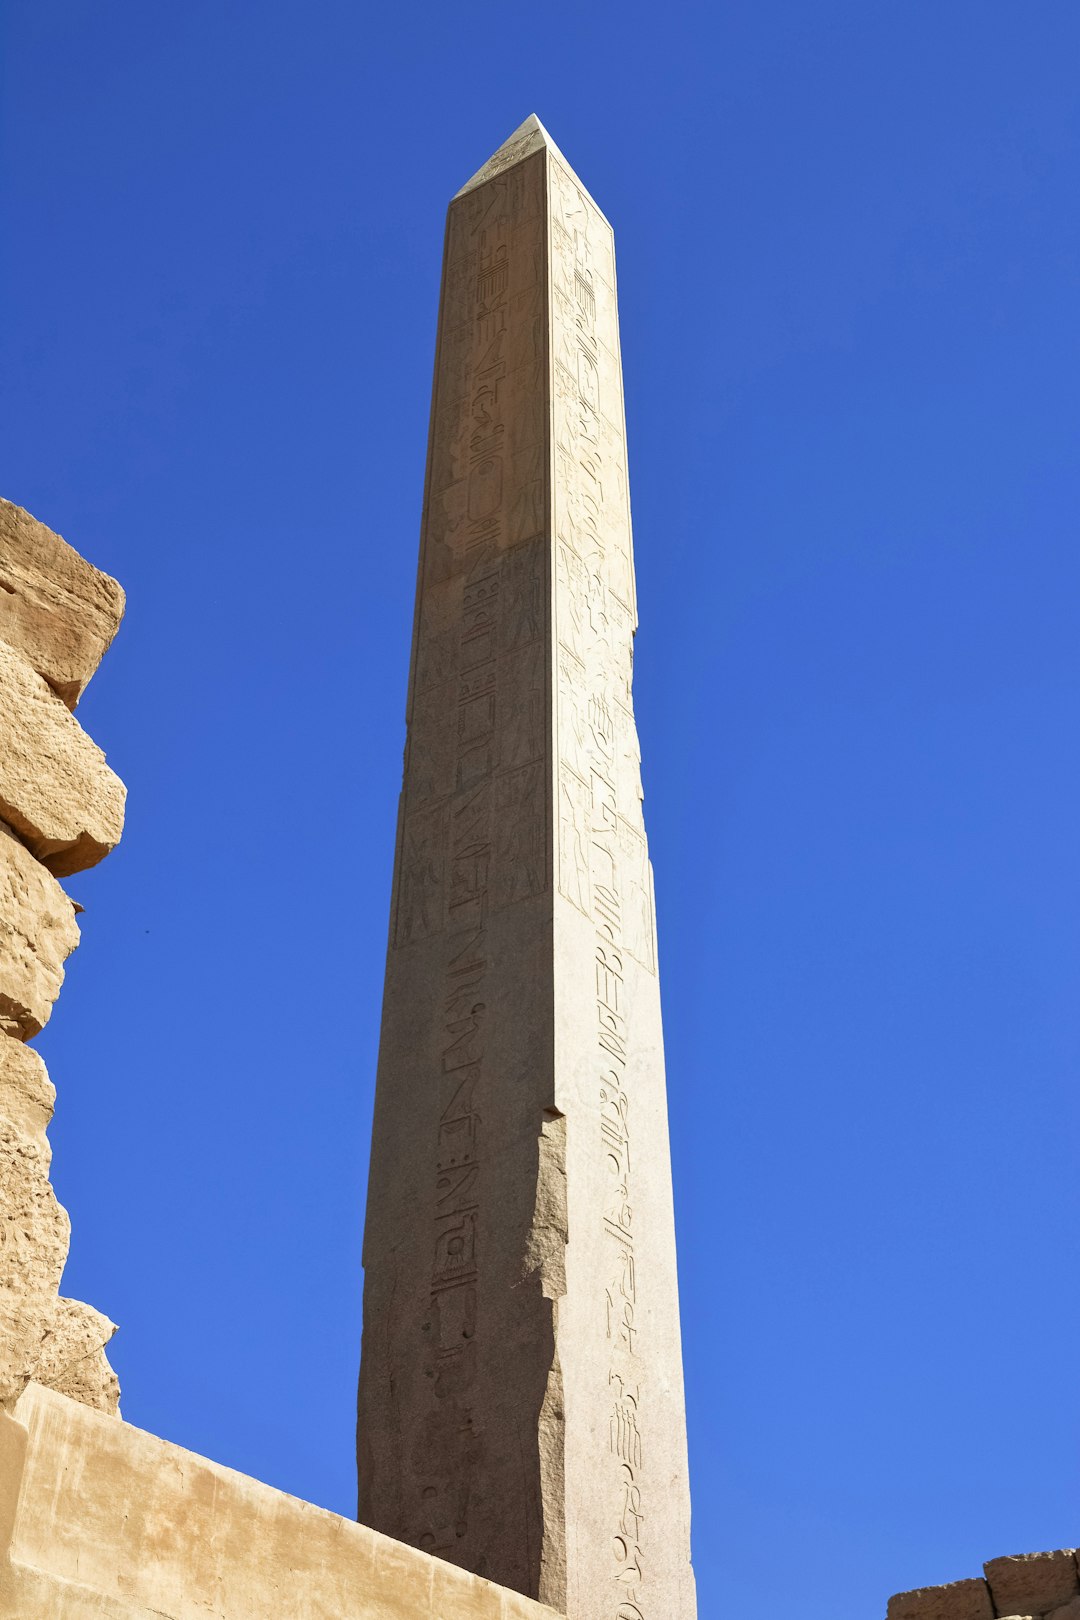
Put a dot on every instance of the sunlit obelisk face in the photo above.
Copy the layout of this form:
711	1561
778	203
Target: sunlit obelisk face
521	1402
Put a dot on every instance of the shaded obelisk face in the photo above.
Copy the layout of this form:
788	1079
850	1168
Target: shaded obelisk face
521	1406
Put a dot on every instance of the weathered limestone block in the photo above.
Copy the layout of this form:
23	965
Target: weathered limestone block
56	790
56	610
1032	1583
958	1600
34	1227
119	1525
73	1361
38	932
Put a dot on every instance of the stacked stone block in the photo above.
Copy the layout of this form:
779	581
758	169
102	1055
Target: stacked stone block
1029	1586
61	810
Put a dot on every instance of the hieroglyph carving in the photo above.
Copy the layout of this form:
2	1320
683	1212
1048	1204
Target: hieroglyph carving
603	859
475	805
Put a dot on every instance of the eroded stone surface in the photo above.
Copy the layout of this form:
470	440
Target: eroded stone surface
521	1405
1032	1583
34	1227
56	610
73	1361
56	791
64	810
38	932
957	1600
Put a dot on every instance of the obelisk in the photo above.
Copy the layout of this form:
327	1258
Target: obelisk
521	1392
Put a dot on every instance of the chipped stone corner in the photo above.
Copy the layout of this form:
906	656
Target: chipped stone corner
545	1260
545	1250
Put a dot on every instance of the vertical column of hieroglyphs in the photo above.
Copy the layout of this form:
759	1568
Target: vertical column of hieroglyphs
630	1527
61	809
457	1323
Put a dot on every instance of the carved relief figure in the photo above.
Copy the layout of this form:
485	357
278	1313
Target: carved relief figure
519	835
573	840
420	900
523	707
522	613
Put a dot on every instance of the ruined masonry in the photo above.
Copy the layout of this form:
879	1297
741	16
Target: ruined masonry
521	1391
61	809
1030	1586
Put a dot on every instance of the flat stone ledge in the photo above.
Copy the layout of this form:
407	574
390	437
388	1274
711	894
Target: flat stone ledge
110	1521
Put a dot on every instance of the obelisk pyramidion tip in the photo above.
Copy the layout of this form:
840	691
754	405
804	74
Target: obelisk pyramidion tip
529	137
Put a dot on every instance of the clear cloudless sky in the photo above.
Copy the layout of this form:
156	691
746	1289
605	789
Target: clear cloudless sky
848	254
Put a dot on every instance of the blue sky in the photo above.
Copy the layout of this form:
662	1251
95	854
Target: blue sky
847	240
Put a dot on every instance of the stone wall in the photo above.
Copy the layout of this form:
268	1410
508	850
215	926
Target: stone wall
61	810
1030	1586
99	1519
